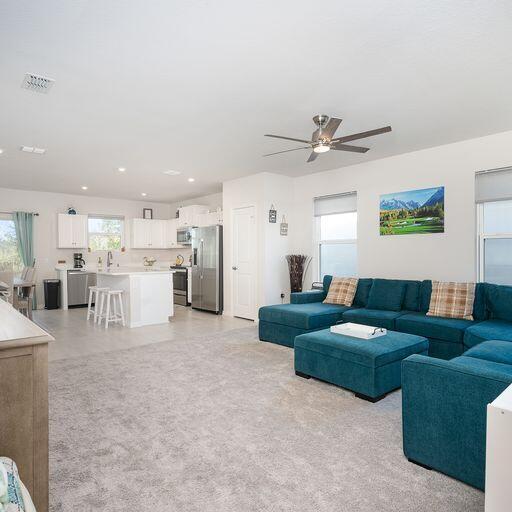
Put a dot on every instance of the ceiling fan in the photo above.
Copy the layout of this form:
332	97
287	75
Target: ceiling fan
322	138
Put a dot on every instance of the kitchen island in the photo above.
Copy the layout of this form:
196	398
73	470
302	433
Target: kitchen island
147	293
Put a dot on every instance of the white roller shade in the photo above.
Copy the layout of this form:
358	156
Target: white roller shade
338	203
493	185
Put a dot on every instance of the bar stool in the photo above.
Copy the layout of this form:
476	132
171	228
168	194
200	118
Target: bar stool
114	299
94	295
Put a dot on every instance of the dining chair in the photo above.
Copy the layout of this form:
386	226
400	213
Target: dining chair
23	301
6	292
24	273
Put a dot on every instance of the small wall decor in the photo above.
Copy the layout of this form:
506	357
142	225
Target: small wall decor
71	211
272	215
412	212
147	213
284	227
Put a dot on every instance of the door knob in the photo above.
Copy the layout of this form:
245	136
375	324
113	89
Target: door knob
234	268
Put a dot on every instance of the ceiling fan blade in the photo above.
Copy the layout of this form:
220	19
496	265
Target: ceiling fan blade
345	147
362	135
287	151
288	138
331	127
312	156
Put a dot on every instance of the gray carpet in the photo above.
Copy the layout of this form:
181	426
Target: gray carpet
222	424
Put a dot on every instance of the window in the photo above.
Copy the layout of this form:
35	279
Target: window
493	192
105	233
336	235
495	242
9	255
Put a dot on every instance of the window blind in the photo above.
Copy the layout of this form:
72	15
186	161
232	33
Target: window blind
493	185
337	203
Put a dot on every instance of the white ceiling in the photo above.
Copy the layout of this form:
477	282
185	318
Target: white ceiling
193	86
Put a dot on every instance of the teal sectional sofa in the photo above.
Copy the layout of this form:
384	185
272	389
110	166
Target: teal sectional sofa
398	305
444	394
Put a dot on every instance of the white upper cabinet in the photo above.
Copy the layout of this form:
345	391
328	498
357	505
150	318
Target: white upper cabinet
72	231
149	234
188	215
170	233
208	219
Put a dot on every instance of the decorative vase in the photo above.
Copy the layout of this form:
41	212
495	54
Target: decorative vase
297	267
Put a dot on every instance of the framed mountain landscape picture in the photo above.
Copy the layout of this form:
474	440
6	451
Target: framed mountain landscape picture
413	212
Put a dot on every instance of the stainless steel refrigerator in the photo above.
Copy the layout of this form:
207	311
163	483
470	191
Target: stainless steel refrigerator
207	291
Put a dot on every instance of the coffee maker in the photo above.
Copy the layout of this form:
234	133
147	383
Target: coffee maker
78	261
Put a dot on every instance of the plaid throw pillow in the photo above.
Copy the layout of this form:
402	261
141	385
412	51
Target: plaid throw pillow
452	300
342	291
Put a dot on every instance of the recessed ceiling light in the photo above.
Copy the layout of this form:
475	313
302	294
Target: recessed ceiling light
84	187
121	169
191	180
143	194
172	173
1	151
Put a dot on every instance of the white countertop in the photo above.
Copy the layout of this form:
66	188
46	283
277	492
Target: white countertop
126	271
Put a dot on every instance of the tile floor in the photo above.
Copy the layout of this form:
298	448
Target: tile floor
75	336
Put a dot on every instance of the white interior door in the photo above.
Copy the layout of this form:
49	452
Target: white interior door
244	262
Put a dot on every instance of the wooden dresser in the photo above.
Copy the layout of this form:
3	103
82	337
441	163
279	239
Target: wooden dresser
24	400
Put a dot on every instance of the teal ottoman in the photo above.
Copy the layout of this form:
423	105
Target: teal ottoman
370	368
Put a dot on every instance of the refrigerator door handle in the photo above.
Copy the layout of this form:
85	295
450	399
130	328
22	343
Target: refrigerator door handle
202	257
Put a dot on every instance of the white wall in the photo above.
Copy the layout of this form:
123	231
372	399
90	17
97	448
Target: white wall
447	256
45	227
259	190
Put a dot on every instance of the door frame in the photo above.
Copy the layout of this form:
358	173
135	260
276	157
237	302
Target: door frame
232	287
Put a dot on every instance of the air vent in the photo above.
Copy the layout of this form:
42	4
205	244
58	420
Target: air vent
172	173
37	83
30	149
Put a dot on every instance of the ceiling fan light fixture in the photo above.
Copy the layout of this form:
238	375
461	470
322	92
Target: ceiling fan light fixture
321	148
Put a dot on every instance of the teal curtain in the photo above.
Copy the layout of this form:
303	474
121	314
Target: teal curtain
24	225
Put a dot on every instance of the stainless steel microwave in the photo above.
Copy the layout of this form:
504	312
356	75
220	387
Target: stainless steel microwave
184	236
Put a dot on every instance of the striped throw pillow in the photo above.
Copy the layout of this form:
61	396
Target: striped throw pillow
342	291
452	300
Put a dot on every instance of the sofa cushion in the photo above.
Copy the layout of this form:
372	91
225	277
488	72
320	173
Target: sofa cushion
498	351
483	367
499	301
386	294
479	306
488	330
452	300
412	296
342	291
445	329
373	317
363	290
303	316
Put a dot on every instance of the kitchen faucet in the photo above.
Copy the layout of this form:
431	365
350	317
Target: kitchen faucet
109	259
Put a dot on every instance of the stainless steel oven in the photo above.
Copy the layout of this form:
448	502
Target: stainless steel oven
184	236
180	285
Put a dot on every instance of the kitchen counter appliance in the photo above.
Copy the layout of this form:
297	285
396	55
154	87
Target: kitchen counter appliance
207	289
184	236
78	261
180	285
78	287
